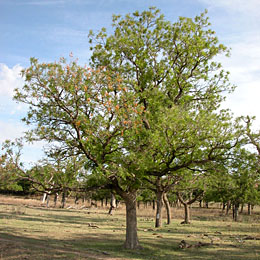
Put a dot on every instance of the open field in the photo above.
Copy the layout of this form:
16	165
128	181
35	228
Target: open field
28	230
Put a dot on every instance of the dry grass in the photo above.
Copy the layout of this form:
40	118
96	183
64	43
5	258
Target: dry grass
31	231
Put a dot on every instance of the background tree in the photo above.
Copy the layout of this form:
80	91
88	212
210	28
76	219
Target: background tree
189	190
12	171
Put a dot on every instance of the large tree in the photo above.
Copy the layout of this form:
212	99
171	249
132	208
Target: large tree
171	69
147	107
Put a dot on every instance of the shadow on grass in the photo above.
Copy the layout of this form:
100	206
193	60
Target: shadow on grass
158	244
58	218
21	247
104	245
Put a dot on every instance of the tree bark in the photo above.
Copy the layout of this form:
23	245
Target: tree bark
63	200
186	214
186	205
153	204
44	197
112	204
242	208
76	199
55	199
159	205
168	208
249	209
227	207
131	241
47	200
235	211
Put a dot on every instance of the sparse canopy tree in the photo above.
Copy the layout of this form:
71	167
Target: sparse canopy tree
45	176
55	175
146	109
86	112
190	189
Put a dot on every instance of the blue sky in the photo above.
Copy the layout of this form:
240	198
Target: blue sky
49	29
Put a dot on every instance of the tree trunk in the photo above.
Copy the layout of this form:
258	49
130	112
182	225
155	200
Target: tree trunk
177	203
76	199
47	200
249	209
55	199
235	211
63	200
44	197
159	204
242	208
227	207
131	241
112	204
186	205
168	208
186	214
153	204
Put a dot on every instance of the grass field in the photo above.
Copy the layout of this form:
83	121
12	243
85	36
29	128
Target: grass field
28	230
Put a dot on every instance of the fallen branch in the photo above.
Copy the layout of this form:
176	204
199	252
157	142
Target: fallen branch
183	244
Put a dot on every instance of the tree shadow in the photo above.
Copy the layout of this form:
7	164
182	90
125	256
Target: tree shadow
104	245
107	241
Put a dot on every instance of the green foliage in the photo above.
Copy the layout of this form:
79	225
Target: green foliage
11	168
171	62
237	181
170	68
148	106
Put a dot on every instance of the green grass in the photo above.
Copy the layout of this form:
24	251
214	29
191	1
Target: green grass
31	232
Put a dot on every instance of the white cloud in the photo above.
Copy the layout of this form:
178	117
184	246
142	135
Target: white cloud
245	73
11	130
31	153
10	79
238	22
245	55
